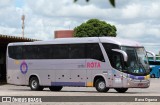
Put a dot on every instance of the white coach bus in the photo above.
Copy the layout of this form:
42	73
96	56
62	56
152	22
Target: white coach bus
100	62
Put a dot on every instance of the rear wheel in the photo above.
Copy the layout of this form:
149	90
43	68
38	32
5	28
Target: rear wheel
55	88
121	90
34	84
100	85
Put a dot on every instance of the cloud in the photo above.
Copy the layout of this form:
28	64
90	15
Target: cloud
5	3
132	30
134	19
132	11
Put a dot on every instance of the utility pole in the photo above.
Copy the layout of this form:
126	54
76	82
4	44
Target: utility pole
23	18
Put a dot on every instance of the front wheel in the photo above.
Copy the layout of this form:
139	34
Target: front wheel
121	90
34	84
55	88
100	85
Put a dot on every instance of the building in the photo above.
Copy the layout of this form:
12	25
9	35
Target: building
4	40
63	33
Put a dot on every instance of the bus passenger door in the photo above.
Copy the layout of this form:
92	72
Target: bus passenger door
116	72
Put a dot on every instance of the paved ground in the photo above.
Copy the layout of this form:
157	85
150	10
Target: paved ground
11	90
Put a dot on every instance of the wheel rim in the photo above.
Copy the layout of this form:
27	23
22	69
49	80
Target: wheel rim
101	85
34	84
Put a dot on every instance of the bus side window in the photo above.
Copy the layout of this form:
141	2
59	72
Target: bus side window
114	57
15	52
61	51
30	52
117	64
93	51
45	51
77	51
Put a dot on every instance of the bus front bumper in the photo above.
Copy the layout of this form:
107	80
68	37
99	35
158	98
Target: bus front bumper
138	83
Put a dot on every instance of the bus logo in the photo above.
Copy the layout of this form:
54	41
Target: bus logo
24	67
93	65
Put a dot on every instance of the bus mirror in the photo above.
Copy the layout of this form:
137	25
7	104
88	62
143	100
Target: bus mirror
125	56
154	56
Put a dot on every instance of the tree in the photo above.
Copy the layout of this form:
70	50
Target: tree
95	28
112	2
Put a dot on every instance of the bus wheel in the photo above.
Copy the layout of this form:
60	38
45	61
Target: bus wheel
101	85
34	84
55	88
152	76
121	90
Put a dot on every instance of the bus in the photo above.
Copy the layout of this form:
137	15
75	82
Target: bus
154	67
101	62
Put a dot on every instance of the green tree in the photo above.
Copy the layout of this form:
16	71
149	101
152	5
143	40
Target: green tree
95	28
112	2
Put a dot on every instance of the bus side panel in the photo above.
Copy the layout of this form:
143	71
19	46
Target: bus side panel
70	72
14	72
62	77
117	78
96	68
43	69
78	73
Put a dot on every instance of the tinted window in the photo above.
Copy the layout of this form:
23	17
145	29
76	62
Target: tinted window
77	51
30	52
61	51
45	51
94	51
113	56
154	62
15	52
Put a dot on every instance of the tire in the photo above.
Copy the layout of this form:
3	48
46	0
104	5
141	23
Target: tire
55	88
121	90
100	85
152	76
34	84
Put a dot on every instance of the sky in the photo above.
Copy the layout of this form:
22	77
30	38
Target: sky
137	20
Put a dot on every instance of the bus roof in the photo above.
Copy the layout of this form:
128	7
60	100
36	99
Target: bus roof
114	40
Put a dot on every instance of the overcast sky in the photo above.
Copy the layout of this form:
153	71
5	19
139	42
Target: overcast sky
137	20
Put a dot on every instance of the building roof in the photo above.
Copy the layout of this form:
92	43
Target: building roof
7	39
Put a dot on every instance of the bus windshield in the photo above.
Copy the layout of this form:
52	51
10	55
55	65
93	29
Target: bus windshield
137	63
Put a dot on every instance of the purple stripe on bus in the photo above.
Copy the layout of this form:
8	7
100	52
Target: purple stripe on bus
131	76
140	78
67	83
137	77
